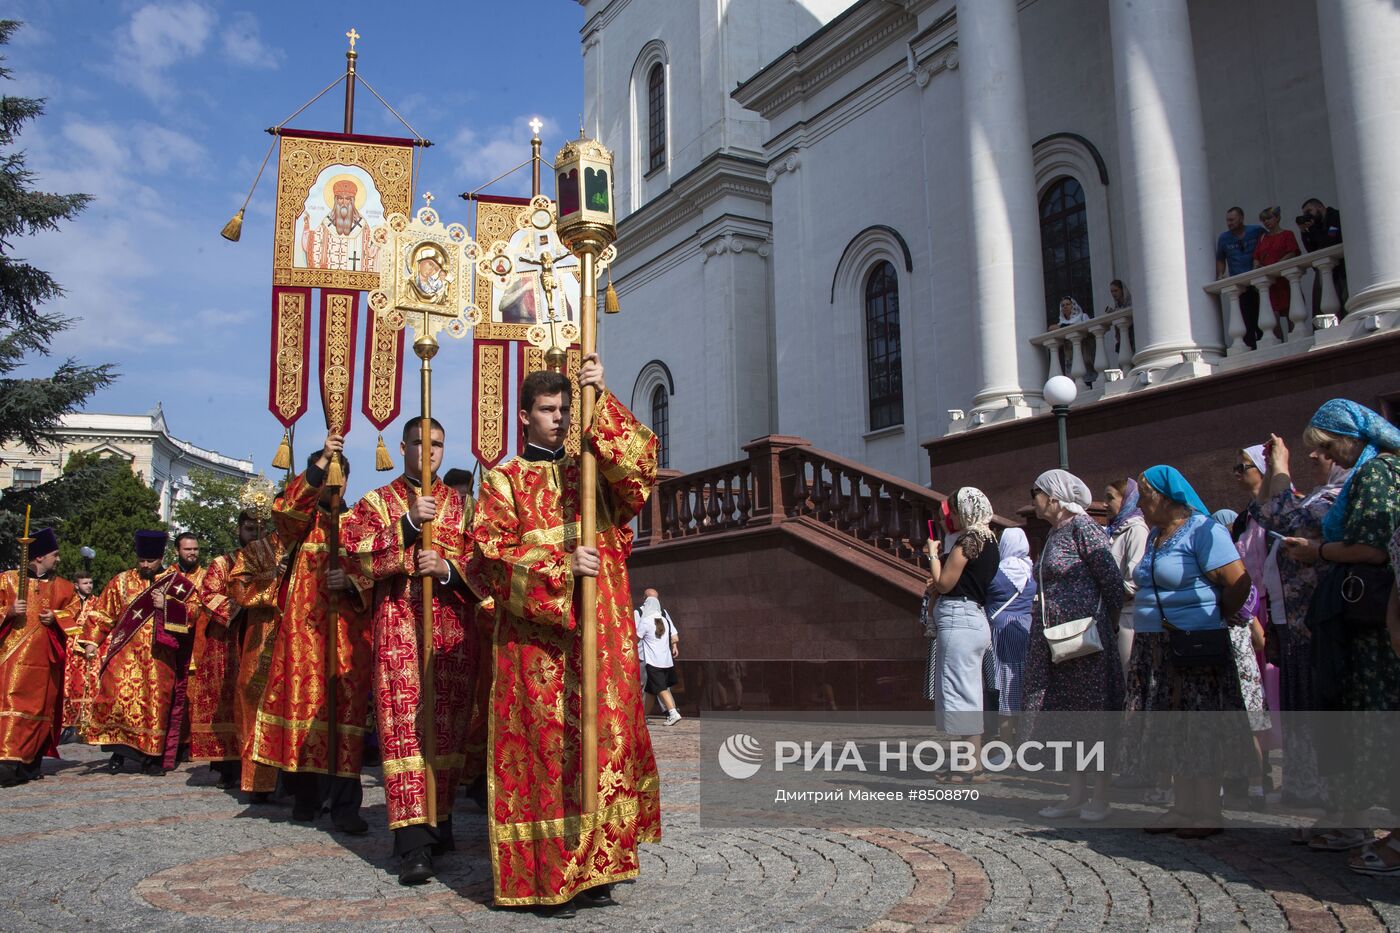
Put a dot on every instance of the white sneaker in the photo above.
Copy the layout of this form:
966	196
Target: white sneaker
673	717
1095	813
1058	811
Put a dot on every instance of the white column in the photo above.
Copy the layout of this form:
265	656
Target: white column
1008	285
1359	39
1166	186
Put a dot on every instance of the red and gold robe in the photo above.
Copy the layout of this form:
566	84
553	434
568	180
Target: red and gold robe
544	849
290	729
79	671
214	667
373	532
32	657
255	584
140	681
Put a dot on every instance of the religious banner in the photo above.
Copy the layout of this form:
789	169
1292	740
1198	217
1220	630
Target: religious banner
490	384
334	192
291	353
339	311
383	380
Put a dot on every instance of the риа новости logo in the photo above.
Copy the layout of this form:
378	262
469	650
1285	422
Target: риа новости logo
740	756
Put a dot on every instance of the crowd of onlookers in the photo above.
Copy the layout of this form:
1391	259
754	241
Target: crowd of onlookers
1286	606
1242	247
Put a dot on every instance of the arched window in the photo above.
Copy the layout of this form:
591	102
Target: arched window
656	116
884	373
1064	246
661	426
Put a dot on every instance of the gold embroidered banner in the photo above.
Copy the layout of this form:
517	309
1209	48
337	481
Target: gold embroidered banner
338	317
291	353
383	371
489	411
334	191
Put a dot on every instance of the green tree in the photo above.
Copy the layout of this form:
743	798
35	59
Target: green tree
31	408
210	513
85	478
108	521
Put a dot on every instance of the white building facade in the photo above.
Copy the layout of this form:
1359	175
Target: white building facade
850	220
163	461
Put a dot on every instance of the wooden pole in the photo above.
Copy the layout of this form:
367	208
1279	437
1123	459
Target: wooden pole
332	635
588	535
426	348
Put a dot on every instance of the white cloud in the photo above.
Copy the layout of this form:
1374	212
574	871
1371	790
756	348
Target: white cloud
482	155
160	36
243	43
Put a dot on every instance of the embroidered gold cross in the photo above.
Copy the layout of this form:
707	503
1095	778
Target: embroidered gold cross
352	35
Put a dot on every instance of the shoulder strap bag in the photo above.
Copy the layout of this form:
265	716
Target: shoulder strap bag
1200	648
1076	638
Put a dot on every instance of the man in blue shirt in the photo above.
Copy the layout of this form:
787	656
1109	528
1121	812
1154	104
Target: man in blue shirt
1234	254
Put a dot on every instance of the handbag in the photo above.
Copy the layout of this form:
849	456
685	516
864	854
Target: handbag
1076	638
1365	593
1199	648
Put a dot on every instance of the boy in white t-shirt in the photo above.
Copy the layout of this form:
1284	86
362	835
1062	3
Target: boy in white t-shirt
658	646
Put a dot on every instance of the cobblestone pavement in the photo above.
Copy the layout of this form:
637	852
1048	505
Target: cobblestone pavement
92	851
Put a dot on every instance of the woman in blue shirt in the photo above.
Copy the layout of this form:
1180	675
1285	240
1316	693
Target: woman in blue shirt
1192	575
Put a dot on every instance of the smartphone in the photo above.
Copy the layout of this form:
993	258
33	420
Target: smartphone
1276	536
1268	450
932	536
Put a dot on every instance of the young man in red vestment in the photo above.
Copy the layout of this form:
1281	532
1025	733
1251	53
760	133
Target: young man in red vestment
384	532
545	851
33	648
291	731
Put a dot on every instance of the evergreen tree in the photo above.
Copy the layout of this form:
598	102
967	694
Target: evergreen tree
210	513
31	407
108	522
86	477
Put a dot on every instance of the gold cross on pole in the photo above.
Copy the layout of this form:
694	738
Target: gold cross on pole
535	126
352	35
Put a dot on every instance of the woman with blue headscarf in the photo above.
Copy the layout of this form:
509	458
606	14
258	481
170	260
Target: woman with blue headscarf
1358	658
1191	578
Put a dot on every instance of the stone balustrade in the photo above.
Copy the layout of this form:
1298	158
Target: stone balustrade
1301	320
1107	337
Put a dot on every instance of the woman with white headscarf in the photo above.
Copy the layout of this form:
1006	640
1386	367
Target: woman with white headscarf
1079	579
962	581
1009	601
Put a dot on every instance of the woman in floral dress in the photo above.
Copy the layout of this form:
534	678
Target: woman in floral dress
1079	577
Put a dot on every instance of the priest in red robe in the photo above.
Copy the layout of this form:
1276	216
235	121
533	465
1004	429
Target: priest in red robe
214	735
545	851
33	649
322	621
139	629
383	531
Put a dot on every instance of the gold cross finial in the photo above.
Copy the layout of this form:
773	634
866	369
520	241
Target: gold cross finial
428	198
535	126
352	35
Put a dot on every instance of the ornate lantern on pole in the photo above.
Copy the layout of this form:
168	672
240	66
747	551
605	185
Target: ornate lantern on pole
583	175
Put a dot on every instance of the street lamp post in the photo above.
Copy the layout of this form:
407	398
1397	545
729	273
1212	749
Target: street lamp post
1060	392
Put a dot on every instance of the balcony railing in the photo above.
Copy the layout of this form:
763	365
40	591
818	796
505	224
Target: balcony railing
1093	346
786	479
1299	323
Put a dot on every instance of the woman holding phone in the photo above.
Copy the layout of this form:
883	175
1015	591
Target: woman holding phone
961	582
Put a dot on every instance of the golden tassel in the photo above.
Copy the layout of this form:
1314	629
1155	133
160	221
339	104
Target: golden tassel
282	460
382	460
335	476
610	305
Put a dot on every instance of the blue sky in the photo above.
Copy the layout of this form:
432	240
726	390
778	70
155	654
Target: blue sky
158	109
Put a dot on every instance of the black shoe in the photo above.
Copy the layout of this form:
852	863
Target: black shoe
352	824
564	911
9	774
303	814
114	765
416	867
153	769
68	736
260	798
601	896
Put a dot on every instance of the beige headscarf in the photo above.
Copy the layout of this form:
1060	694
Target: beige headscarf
975	516
1065	488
